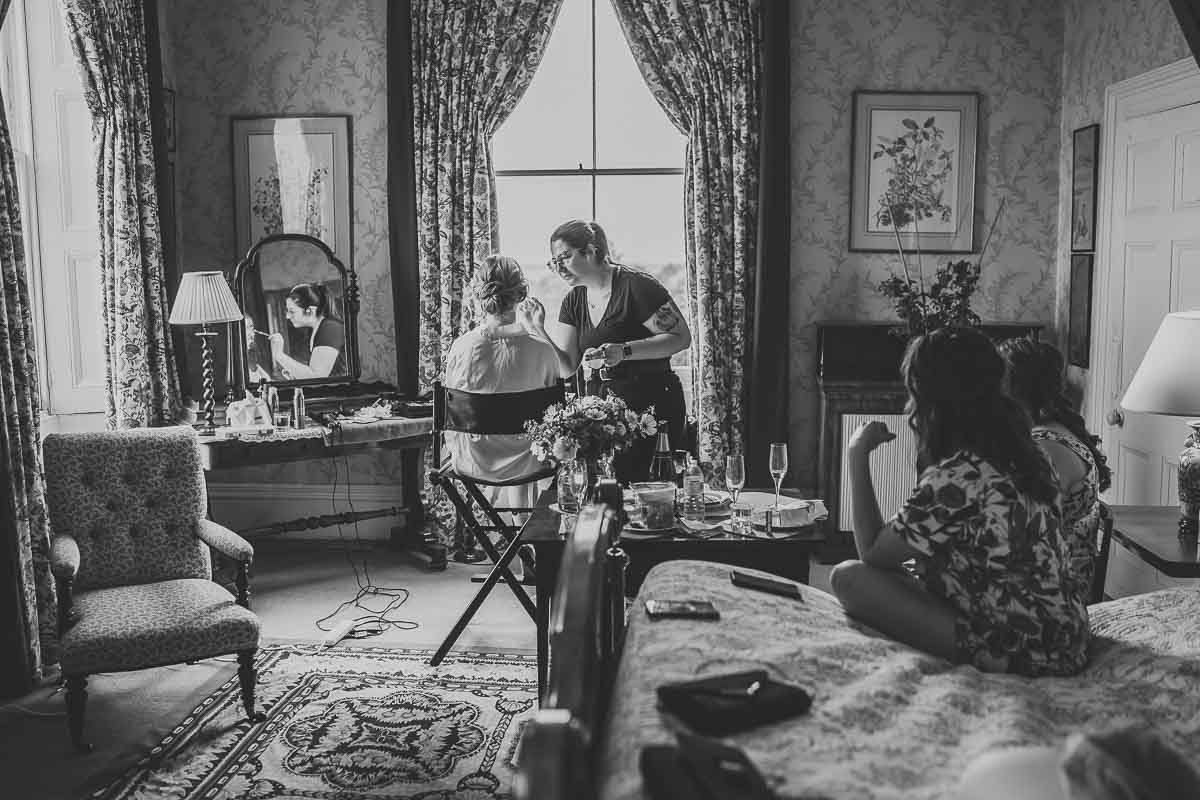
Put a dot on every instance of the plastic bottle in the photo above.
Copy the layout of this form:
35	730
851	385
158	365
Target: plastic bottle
662	468
693	491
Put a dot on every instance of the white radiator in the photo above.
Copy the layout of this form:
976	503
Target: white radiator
893	466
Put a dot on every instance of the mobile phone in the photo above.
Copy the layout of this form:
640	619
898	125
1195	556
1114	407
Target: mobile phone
772	585
681	609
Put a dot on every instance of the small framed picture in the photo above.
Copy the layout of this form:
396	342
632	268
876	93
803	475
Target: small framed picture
1085	152
1079	323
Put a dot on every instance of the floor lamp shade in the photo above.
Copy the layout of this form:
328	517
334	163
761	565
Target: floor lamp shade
204	299
1168	382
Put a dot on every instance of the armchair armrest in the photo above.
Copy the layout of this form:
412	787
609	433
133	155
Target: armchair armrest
64	556
224	541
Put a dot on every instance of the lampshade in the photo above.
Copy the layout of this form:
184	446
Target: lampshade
204	299
1168	379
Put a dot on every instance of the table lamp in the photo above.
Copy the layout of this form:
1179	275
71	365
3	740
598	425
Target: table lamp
204	299
1168	382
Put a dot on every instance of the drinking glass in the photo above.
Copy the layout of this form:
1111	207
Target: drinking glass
735	475
579	479
681	465
778	466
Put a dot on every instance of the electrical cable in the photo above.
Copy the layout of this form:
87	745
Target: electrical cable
375	621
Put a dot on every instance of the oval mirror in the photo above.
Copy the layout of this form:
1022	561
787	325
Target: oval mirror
300	306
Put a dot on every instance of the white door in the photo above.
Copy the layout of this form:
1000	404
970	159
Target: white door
1153	267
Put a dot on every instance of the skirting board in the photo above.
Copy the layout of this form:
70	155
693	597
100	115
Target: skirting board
242	506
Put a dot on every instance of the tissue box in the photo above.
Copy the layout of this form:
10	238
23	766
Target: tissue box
247	413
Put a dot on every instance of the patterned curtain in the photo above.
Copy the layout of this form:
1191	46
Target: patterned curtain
23	528
472	60
109	40
701	60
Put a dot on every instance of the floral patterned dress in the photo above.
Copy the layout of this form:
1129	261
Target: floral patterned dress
1080	509
998	557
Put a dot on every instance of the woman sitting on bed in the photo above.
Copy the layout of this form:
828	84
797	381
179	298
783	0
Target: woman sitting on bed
993	586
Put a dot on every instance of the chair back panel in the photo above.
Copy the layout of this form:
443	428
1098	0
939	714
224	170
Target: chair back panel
492	413
131	499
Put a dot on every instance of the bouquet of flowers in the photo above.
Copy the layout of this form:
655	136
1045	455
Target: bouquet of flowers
589	428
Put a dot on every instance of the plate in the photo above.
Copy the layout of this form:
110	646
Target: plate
638	530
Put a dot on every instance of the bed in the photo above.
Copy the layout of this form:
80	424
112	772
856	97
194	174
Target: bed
887	721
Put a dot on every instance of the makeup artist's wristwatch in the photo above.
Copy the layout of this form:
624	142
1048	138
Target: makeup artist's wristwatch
627	350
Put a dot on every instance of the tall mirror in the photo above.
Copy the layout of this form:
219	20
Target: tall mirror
300	306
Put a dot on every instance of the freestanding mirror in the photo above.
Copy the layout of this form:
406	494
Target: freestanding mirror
301	310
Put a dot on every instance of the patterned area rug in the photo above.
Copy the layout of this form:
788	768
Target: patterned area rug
349	723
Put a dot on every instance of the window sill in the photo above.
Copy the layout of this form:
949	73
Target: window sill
72	423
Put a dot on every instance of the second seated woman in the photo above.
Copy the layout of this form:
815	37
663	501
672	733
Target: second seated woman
307	306
1034	378
993	584
625	325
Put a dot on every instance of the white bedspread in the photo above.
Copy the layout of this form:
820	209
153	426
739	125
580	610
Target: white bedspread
888	721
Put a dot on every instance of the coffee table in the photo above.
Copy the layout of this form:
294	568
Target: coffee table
546	530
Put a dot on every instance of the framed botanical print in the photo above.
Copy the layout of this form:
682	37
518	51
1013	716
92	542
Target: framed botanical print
1085	152
291	174
1079	322
913	171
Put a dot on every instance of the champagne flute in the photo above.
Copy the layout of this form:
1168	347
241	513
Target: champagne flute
778	466
735	475
579	479
681	465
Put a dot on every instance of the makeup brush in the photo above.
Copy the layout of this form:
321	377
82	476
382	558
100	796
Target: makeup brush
260	333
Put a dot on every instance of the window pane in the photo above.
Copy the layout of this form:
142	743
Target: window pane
530	209
551	128
632	130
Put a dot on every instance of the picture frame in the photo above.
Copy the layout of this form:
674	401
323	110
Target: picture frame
1085	160
291	174
933	211
169	121
1079	310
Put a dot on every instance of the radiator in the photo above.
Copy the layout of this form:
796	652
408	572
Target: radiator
893	466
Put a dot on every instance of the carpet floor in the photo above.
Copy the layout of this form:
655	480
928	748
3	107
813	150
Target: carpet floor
349	723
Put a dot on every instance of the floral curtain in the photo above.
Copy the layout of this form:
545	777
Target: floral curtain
472	60
109	40
23	529
701	60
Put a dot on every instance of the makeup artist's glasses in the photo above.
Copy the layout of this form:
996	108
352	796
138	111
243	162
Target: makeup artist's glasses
556	262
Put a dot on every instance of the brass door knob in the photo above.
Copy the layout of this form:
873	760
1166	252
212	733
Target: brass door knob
1115	418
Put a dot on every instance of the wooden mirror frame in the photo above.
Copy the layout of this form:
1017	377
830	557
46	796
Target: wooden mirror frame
237	338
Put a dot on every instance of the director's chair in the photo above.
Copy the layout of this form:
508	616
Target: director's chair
499	413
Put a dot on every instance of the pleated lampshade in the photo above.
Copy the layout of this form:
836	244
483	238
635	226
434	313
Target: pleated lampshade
1168	380
204	299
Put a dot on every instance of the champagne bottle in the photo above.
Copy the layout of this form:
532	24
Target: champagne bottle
662	468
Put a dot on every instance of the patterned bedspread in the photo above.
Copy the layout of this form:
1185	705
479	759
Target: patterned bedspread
888	721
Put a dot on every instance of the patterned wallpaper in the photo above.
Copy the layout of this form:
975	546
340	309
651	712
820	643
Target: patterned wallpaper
1107	41
1009	52
249	57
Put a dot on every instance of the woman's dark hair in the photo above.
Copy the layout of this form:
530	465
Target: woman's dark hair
1034	378
501	285
579	234
955	382
307	295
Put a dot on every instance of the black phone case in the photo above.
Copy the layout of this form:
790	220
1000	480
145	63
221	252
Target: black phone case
710	611
781	587
721	705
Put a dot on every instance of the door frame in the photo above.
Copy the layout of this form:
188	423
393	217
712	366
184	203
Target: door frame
1162	89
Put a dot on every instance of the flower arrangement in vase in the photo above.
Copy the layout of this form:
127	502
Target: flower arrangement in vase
589	428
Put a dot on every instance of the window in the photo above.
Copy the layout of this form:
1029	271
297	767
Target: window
50	127
589	141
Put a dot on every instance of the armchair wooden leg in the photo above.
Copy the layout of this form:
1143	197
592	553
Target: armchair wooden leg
76	701
248	678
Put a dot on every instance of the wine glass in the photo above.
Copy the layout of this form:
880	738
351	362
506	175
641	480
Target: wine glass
735	475
778	466
579	479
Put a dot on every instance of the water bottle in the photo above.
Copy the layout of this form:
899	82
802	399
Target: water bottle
662	468
693	491
298	408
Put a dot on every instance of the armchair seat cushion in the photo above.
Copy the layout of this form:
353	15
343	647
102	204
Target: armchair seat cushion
151	624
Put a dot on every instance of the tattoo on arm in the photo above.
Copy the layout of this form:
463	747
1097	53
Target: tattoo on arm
667	317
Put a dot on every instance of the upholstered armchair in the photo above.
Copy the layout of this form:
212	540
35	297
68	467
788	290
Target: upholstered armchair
130	555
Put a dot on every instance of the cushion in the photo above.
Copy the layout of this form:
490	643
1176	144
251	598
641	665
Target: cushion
152	624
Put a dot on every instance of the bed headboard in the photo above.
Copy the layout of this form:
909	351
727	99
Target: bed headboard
587	626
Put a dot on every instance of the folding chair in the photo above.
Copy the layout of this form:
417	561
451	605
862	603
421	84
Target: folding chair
501	413
1103	545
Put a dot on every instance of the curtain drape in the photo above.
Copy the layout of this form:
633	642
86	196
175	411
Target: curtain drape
1188	14
23	527
471	63
109	40
701	60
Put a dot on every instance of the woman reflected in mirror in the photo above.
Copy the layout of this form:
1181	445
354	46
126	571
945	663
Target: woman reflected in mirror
307	306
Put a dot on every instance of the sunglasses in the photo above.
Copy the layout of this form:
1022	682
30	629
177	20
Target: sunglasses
556	262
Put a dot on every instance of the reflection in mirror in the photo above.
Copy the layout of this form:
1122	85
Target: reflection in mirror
300	305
